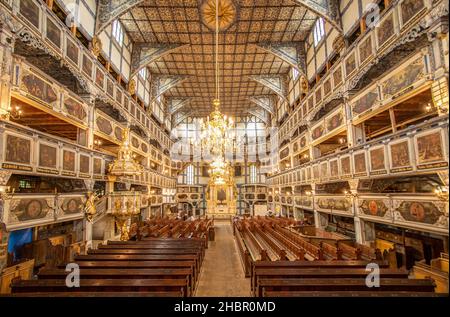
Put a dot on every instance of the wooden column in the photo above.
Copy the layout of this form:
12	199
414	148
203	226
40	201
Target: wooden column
393	121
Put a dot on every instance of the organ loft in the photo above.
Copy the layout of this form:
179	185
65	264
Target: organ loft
224	148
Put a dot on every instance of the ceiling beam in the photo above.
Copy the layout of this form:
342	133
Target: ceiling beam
276	83
291	53
261	114
163	83
145	54
266	102
175	104
176	120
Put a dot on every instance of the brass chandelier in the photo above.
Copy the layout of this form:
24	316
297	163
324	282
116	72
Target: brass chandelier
217	132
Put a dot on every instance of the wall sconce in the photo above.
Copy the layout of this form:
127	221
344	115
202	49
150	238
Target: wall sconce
342	140
12	113
97	143
308	193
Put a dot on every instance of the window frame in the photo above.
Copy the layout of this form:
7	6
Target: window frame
318	31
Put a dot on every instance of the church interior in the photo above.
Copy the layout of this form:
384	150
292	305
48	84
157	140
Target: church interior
224	148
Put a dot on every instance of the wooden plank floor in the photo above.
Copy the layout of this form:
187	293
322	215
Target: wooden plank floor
222	274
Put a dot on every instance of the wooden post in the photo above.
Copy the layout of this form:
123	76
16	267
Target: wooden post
362	25
393	121
50	4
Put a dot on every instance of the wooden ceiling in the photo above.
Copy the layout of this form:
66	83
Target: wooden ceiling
181	22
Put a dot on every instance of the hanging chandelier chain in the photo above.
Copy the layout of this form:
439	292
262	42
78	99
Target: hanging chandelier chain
217	50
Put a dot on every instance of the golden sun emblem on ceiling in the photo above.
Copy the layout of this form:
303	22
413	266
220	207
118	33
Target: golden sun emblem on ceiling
227	13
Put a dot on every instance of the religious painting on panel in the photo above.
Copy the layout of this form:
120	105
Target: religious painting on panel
72	51
18	150
104	125
430	147
360	163
318	95
316	172
68	160
310	104
110	87
345	165
350	64
327	87
118	133
317	132
335	121
386	30
53	33
30	11
409	8
72	205
334	169
420	211
365	49
74	108
374	207
134	142
400	154
97	166
337	76
47	156
324	170
99	77
87	65
29	209
405	78
377	159
119	96
366	102
84	164
38	88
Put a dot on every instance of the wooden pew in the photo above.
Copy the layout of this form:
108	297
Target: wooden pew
349	294
343	284
140	257
153	273
283	265
98	294
103	285
138	265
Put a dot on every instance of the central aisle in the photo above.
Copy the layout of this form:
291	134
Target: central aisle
222	274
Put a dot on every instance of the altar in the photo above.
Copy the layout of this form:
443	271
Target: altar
221	199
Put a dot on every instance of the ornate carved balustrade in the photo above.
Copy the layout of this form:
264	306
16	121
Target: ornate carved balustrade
416	211
420	148
28	151
34	87
29	210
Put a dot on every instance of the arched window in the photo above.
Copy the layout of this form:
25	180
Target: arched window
190	175
253	174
